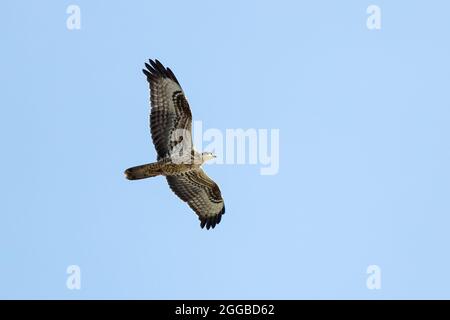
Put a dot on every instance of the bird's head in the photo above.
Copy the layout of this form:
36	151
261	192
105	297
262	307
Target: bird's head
207	156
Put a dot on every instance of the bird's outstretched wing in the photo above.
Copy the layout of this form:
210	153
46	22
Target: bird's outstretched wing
170	116
201	193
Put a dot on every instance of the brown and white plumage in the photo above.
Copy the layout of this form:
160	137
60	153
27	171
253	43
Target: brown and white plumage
170	126
169	108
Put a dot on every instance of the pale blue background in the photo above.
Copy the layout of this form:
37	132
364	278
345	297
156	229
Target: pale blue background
364	154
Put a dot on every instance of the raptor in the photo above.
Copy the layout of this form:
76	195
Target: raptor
177	160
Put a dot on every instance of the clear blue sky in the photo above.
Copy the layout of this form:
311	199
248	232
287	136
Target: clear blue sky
364	149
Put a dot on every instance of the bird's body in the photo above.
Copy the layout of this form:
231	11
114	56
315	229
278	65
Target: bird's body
166	167
170	124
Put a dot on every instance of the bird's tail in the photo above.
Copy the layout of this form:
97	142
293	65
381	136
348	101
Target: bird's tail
143	171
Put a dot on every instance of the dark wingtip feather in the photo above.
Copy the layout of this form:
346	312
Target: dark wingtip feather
157	70
211	222
145	71
149	68
172	75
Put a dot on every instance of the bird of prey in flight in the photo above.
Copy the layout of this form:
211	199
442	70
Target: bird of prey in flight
170	126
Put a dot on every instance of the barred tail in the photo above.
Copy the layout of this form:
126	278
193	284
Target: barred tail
143	171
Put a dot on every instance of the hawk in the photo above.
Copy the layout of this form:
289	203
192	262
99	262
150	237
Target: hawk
170	126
